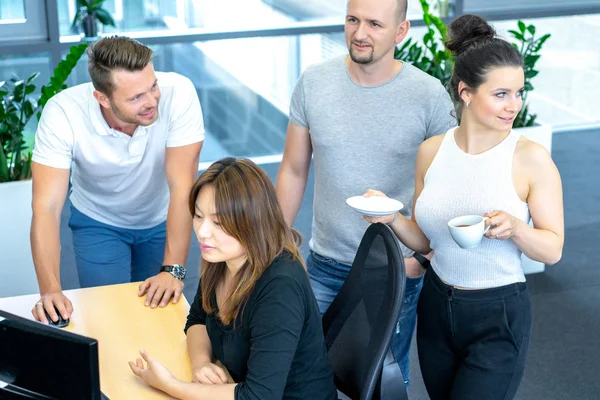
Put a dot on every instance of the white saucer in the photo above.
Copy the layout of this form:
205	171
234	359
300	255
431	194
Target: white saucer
374	206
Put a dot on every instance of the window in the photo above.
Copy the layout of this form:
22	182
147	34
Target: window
22	20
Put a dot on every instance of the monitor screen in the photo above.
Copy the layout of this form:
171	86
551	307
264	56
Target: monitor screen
38	361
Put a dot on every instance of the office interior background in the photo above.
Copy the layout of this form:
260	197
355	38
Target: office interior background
244	56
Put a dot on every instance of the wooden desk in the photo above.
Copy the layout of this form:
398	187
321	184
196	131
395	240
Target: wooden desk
116	317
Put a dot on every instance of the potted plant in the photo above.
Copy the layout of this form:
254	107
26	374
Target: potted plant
89	14
18	105
431	56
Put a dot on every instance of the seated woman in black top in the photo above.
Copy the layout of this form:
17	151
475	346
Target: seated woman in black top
255	310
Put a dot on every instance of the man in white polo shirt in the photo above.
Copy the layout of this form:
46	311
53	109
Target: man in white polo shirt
130	141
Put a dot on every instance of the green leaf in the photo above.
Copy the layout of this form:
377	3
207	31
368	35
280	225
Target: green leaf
54	82
4	174
33	77
30	89
531	29
26	171
542	40
531	74
28	109
71	58
104	17
521	26
61	73
531	60
517	35
76	20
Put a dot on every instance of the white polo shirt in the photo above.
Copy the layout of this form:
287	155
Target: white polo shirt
118	179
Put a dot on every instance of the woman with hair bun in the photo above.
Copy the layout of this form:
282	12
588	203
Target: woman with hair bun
474	313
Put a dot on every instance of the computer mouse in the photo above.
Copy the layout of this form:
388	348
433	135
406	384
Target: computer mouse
61	323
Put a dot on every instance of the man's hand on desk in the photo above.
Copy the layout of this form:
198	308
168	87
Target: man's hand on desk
160	288
48	301
155	374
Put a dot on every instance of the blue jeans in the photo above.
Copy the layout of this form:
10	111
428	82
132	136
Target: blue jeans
107	255
327	277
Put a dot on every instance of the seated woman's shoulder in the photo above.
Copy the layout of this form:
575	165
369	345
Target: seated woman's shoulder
286	265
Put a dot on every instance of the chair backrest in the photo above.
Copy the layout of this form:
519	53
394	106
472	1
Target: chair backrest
361	320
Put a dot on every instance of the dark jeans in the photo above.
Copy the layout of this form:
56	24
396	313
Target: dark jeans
472	343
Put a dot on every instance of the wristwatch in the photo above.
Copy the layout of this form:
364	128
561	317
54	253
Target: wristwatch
178	271
422	260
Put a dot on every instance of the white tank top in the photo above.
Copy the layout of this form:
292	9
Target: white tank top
458	184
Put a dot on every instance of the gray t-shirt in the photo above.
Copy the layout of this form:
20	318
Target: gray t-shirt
363	137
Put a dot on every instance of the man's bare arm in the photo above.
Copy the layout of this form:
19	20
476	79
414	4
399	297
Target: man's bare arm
293	172
50	186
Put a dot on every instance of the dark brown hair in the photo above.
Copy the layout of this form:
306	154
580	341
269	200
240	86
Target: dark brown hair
115	53
476	49
248	210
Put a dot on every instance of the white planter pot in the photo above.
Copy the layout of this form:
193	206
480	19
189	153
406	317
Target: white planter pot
17	273
541	134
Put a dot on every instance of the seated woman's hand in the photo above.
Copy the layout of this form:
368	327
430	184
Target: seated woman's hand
155	374
388	219
209	373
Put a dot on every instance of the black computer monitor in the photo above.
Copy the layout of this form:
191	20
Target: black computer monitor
38	361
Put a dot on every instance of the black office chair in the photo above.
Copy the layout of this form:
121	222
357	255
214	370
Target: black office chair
361	320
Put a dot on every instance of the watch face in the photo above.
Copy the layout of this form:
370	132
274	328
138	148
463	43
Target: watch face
178	272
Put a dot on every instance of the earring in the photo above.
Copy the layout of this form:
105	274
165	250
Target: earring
467	104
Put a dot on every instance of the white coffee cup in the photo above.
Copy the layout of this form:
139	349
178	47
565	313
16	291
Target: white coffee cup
468	230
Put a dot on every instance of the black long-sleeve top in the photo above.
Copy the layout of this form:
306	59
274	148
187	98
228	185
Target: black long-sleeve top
276	350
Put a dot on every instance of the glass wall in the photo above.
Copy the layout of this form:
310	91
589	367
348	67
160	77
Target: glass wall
22	67
181	15
523	6
12	11
22	20
565	91
245	84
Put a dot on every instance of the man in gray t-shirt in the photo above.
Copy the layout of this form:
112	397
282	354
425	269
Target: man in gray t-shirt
363	117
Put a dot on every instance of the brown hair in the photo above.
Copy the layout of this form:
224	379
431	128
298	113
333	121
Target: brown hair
248	210
113	53
476	50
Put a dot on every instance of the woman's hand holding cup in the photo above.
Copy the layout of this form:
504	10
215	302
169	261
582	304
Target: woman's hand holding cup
502	225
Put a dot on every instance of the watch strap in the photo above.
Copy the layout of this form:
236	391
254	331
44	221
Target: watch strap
422	260
171	269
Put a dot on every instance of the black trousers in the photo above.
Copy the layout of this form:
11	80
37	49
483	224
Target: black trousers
472	343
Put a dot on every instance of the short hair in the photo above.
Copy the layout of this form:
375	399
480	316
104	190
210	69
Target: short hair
115	53
401	9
